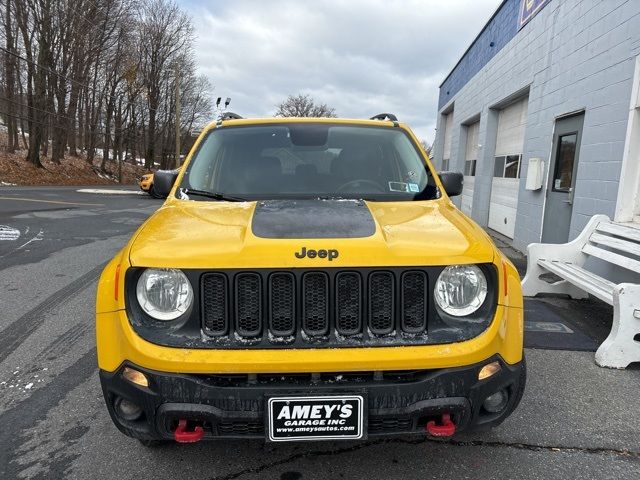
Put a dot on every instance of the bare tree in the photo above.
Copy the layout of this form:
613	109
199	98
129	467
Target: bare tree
165	31
85	76
303	106
10	69
426	146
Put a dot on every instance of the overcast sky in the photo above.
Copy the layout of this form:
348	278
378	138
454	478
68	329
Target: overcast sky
361	57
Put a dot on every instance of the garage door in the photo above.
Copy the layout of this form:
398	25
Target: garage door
470	160
506	175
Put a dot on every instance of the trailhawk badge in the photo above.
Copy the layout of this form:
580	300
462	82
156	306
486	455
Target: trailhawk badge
310	253
316	418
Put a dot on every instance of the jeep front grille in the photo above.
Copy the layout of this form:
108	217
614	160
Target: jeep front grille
308	307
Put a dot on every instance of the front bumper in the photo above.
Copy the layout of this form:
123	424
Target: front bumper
233	405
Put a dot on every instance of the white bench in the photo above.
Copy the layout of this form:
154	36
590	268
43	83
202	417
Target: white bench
611	242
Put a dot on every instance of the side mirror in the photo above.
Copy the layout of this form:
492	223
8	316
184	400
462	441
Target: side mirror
163	181
452	182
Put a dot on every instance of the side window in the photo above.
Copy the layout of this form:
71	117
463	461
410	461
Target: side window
470	168
201	173
507	166
406	155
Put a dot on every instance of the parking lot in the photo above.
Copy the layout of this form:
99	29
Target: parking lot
576	420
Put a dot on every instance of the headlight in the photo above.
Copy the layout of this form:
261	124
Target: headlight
461	290
164	294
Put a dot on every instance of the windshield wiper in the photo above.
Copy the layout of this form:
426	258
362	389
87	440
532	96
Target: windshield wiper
213	195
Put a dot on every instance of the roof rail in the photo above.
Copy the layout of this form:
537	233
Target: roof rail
231	116
228	116
385	116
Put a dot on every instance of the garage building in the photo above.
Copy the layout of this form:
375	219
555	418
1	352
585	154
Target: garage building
542	114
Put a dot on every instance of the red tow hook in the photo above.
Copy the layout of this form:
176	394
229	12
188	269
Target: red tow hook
182	435
447	429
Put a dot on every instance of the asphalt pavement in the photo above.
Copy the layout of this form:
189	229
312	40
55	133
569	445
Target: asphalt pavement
576	420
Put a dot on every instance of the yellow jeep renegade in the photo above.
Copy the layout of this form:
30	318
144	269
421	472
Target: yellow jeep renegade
308	279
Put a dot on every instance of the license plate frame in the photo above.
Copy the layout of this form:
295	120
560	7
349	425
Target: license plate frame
318	424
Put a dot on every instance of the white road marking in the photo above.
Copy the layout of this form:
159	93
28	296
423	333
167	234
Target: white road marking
20	199
9	233
104	191
37	238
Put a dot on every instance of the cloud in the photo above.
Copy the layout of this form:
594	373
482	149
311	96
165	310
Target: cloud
360	57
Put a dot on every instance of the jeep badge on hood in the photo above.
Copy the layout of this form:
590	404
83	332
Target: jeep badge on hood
310	253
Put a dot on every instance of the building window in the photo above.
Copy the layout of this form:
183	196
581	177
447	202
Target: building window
471	153
447	121
470	168
445	164
563	176
507	166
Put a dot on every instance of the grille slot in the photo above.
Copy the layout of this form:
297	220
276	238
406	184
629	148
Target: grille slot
214	302
390	424
240	428
315	303
248	304
414	302
348	303
381	304
282	311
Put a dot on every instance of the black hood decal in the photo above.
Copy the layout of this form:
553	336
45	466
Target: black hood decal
312	219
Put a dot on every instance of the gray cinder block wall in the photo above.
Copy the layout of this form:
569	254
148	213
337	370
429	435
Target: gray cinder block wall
573	55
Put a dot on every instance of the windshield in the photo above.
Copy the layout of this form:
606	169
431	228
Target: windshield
307	161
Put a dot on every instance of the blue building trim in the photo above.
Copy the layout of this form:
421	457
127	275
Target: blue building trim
499	30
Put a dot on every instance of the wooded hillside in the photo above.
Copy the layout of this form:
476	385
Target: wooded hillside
98	77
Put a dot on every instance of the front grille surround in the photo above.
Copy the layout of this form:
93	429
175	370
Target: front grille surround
212	322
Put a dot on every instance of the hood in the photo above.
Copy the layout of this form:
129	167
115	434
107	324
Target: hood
308	233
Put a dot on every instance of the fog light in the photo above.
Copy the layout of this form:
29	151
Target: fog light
495	403
488	370
134	376
127	410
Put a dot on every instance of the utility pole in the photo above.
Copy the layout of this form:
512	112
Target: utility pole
177	116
